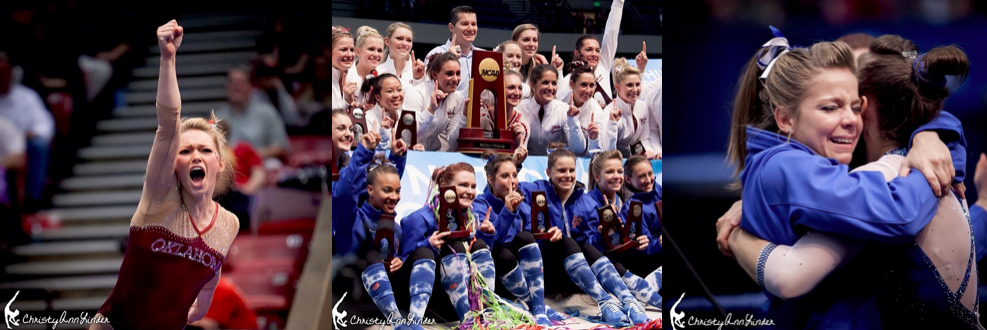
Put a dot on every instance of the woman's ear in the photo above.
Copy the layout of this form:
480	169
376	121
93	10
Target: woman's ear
784	119
864	102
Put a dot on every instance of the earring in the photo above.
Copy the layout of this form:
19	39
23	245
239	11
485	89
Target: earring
789	135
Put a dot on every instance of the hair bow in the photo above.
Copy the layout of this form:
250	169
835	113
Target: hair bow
775	48
374	164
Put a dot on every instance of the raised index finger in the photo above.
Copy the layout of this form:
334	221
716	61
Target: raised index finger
553	53
413	56
644	47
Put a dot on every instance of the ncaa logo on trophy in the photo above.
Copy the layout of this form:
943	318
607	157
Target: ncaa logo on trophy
486	113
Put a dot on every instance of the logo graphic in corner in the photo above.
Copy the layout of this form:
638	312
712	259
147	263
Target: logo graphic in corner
677	318
338	318
11	316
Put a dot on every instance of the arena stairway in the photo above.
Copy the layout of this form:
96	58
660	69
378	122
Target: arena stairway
73	261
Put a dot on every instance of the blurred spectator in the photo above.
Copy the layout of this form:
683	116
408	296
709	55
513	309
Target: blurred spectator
315	94
251	121
24	108
269	88
12	157
228	309
859	42
590	26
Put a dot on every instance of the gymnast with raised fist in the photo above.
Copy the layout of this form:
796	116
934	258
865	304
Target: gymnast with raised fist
179	235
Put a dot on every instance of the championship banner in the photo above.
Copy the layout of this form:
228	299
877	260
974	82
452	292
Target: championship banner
418	173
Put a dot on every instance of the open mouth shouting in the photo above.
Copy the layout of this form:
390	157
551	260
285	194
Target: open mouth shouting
197	174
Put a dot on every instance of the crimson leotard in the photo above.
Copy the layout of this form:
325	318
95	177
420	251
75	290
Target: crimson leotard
168	259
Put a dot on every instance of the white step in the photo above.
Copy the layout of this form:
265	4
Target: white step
191	82
85	232
188	95
99	282
97	198
111	167
128	125
65	267
95	213
188	69
104	182
67	248
144	139
115	152
196	109
234	57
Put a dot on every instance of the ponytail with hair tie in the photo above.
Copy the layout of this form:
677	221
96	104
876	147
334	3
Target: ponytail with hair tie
922	74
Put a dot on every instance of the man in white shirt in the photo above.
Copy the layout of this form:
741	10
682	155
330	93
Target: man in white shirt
24	108
462	26
12	155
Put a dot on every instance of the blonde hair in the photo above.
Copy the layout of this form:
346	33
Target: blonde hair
390	34
225	179
622	69
596	165
339	32
364	33
501	46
